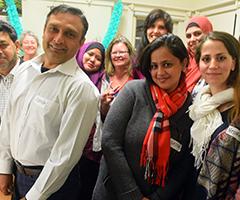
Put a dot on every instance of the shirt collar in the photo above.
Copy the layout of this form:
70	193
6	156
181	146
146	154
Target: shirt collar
68	68
15	68
13	71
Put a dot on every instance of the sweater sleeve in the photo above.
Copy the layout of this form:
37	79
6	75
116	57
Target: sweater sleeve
114	131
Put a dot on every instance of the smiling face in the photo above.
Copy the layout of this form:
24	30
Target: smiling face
194	36
92	60
8	53
120	57
166	69
216	65
62	38
29	45
156	30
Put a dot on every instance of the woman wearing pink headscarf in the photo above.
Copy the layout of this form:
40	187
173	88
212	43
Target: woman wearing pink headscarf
197	27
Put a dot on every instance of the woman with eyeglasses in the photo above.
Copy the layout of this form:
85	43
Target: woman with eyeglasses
118	70
146	134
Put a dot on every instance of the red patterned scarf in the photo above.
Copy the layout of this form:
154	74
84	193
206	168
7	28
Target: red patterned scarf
156	146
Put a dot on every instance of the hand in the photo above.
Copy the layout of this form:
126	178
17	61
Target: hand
6	184
145	198
23	198
106	99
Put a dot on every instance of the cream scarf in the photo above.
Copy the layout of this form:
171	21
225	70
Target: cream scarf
206	119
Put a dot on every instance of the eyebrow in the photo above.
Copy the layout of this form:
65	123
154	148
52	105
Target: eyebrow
3	42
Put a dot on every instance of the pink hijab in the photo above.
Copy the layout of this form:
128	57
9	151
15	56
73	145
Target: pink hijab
203	23
193	74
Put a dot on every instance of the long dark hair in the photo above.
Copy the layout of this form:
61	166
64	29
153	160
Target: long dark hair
152	17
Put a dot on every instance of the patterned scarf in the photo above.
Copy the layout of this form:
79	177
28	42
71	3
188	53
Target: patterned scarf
206	119
156	146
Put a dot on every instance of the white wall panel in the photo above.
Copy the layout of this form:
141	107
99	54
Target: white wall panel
98	13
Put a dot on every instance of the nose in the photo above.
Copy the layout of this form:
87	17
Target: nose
1	52
192	38
156	30
118	53
92	58
213	64
160	70
58	38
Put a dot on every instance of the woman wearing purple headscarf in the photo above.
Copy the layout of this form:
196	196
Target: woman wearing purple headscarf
90	58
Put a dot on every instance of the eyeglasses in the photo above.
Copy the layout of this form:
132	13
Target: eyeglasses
120	53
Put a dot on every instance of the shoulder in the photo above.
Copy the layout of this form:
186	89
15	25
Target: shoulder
136	85
135	90
138	88
82	84
27	66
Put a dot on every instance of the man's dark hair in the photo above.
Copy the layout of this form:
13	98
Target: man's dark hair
72	10
7	28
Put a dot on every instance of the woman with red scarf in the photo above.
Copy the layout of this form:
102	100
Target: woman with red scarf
197	28
146	133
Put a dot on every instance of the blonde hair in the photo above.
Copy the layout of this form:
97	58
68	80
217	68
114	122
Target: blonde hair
109	68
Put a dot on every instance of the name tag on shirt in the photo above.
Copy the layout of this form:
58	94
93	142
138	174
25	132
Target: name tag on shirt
234	132
175	145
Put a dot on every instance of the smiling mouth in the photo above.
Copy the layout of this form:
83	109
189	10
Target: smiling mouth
154	36
162	79
214	74
58	50
90	65
2	60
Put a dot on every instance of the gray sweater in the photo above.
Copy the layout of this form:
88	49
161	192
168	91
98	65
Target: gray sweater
120	176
